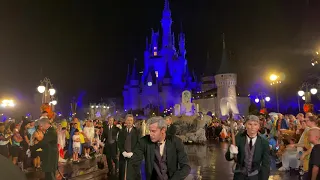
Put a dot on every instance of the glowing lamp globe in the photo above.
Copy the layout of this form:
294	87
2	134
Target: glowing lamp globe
313	91
273	77
256	100
303	98
267	98
41	89
52	91
300	93
54	102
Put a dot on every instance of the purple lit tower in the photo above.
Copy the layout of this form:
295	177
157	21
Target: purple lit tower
165	75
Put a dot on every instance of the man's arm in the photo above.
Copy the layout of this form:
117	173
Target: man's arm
135	161
121	141
315	171
265	164
183	161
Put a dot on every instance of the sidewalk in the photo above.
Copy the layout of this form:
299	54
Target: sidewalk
85	169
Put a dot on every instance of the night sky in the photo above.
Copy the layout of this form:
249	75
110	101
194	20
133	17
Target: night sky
84	46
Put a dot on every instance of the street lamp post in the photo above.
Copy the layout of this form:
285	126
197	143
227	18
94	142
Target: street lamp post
276	81
309	89
262	98
48	92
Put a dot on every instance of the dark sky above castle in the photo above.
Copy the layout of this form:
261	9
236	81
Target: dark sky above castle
85	46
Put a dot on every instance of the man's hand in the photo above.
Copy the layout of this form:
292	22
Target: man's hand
233	149
129	154
124	154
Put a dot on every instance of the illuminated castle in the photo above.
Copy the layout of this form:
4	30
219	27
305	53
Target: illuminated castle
166	77
165	73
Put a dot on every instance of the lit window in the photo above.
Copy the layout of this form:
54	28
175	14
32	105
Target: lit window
149	83
155	53
154	48
156	73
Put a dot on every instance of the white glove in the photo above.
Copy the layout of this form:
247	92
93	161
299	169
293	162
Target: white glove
233	149
124	154
129	155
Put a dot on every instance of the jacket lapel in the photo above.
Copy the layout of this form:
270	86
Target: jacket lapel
257	150
241	148
169	150
151	148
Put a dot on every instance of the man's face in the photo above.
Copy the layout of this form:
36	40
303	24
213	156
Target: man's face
32	124
252	127
46	125
110	121
169	121
129	122
155	132
313	137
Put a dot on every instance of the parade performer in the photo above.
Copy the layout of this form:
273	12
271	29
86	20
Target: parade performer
251	153
49	148
165	156
128	139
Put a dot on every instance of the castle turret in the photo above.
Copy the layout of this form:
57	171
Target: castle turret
182	44
134	88
226	82
166	23
208	81
154	43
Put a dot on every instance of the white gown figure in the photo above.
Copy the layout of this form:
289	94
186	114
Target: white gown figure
228	104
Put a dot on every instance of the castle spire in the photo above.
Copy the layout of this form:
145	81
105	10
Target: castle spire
225	66
128	75
208	71
166	5
134	75
166	23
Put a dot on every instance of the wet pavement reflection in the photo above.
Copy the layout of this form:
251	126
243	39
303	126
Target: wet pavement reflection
207	163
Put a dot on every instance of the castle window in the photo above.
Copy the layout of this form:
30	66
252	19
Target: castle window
155	48
149	83
155	53
156	73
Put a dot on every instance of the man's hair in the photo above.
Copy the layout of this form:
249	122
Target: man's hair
313	119
110	117
44	112
158	119
169	117
43	121
128	115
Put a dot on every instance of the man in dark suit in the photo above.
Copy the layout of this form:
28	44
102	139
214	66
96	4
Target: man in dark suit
109	137
49	146
251	153
128	138
171	129
165	157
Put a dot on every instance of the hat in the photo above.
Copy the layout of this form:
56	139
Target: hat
252	118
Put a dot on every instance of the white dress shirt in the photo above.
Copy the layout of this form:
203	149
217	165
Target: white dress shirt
253	140
162	147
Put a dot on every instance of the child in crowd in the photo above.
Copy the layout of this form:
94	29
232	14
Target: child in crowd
76	145
314	162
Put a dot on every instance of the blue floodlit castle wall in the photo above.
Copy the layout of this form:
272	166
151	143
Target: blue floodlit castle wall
165	73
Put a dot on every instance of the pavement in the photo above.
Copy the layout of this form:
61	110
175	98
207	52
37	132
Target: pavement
207	163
